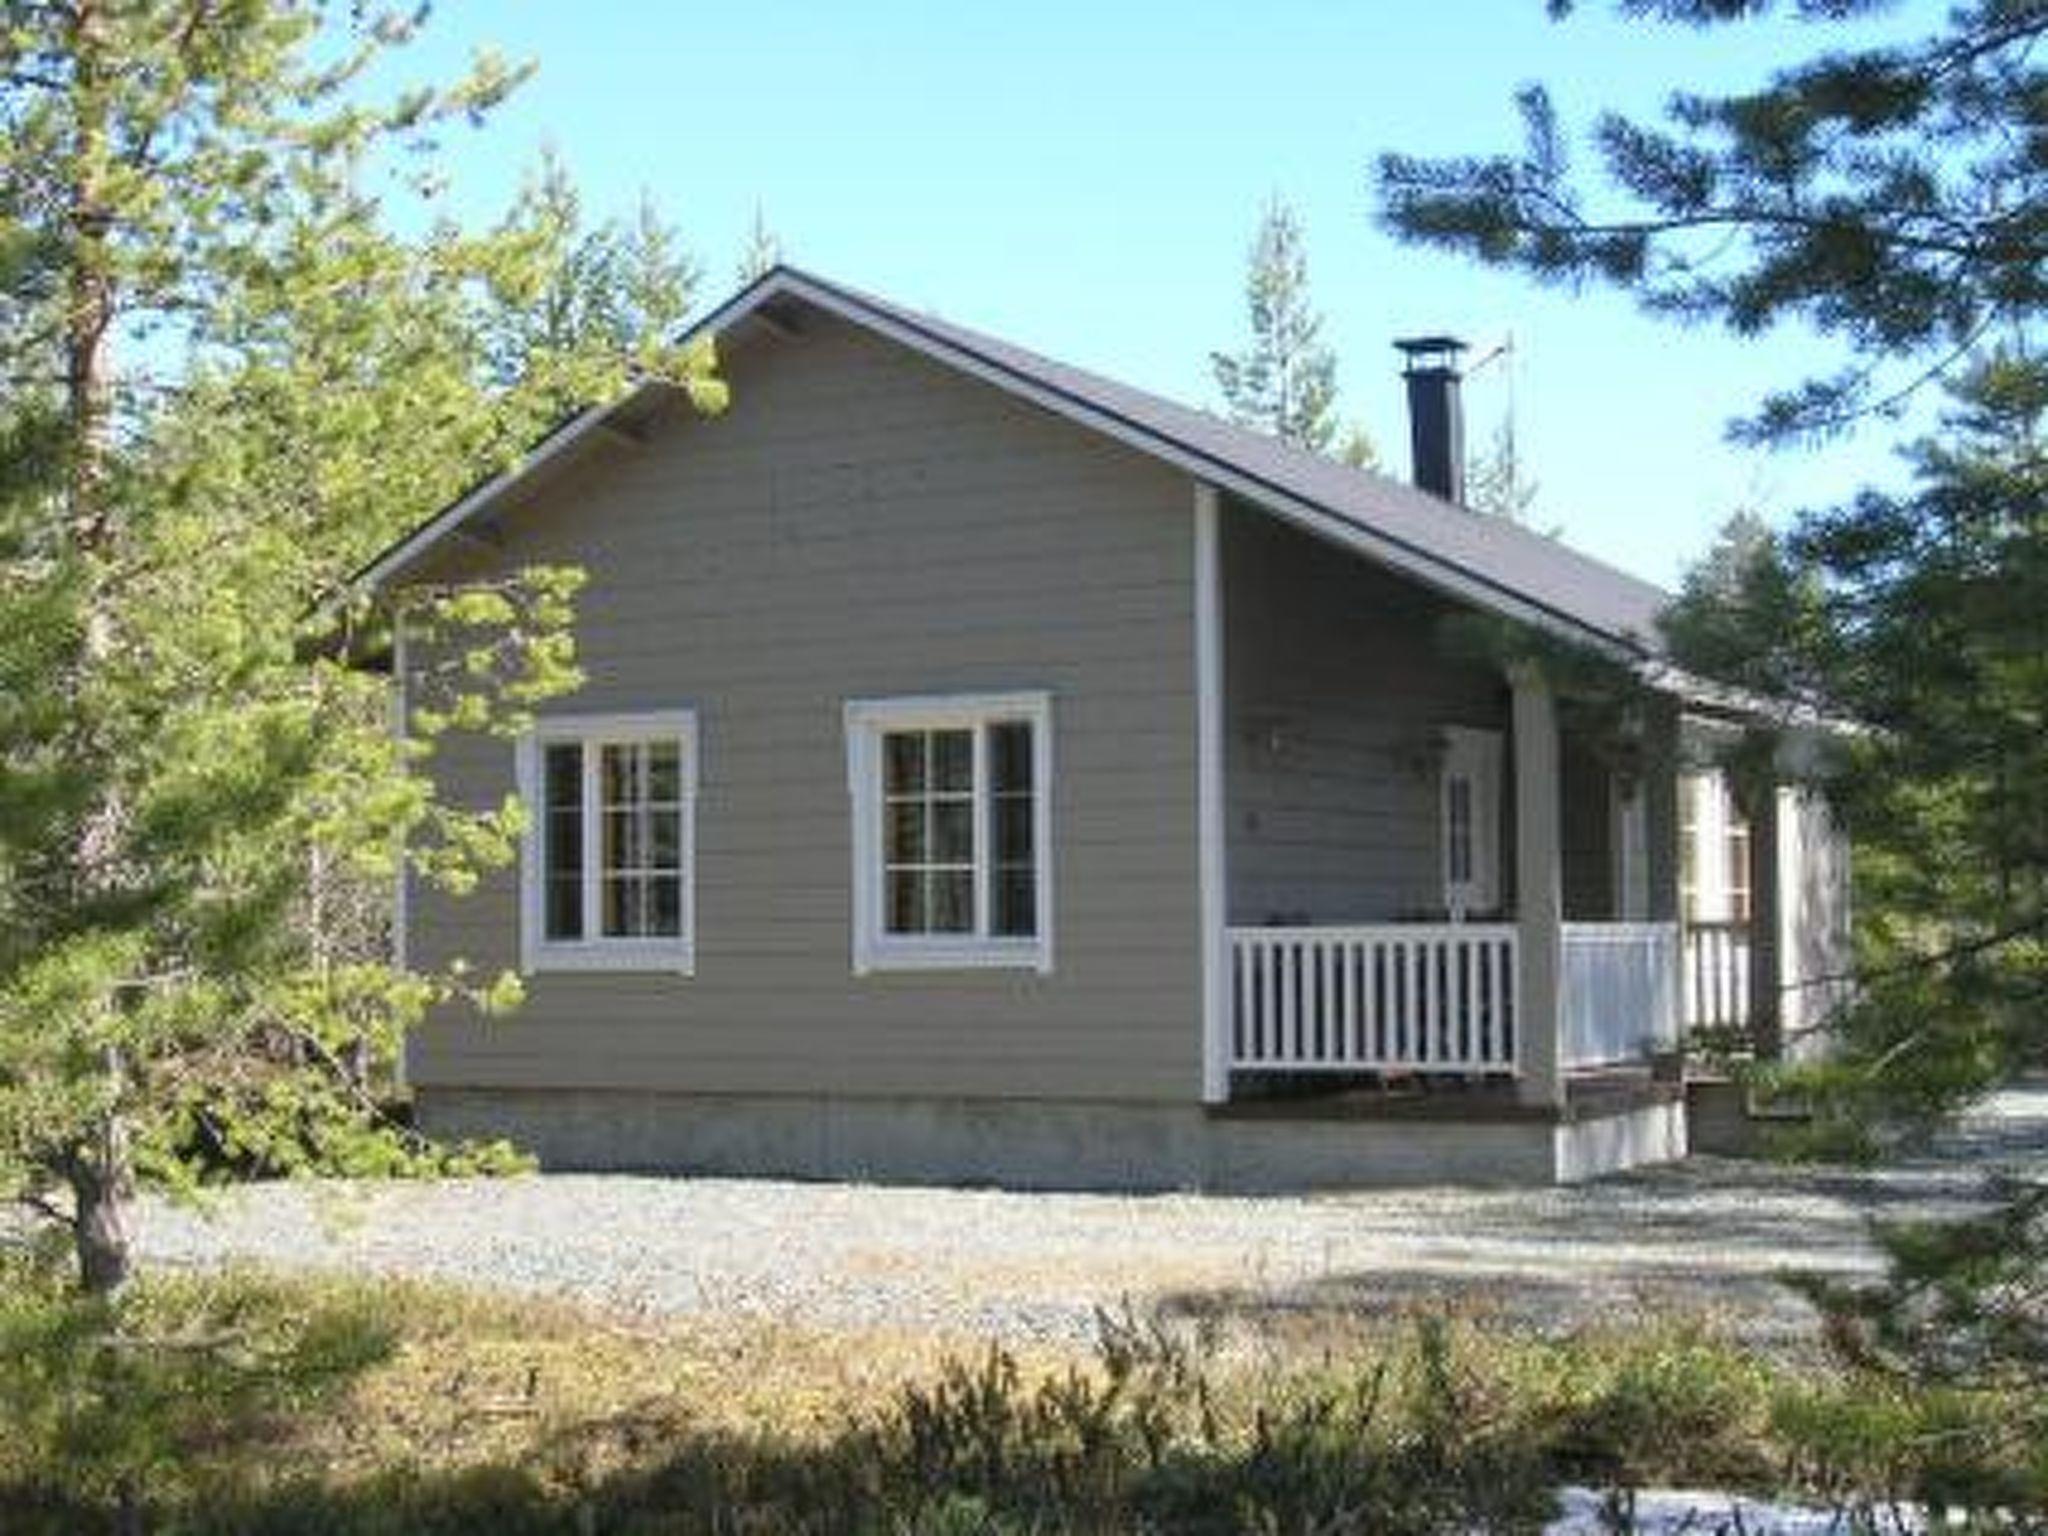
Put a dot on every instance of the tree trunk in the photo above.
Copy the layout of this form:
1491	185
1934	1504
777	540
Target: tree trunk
91	303
102	1172
129	1519
100	1226
102	1179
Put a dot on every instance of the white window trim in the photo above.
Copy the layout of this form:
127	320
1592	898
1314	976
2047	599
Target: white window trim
867	720
537	952
1478	756
1714	815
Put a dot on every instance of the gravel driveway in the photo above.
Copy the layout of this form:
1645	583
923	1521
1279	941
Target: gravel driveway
1707	1234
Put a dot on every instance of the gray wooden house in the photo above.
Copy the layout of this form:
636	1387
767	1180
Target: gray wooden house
987	771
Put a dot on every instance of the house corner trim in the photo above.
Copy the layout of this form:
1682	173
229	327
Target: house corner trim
1210	826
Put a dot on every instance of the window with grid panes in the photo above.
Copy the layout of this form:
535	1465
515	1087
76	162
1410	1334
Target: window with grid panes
608	877
950	831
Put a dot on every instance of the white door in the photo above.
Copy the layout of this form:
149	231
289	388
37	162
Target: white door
1469	818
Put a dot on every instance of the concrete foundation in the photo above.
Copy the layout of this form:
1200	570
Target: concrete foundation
1653	1132
1727	1120
1048	1145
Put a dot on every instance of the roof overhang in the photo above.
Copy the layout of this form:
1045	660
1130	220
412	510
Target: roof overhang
615	422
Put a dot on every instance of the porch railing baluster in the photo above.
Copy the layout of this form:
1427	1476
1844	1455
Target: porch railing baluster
1396	997
1716	974
1441	997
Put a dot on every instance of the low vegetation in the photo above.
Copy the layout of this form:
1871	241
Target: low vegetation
251	1402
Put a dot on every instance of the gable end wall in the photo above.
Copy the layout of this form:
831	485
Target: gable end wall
862	523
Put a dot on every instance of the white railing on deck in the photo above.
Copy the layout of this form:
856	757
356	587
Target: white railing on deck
1407	997
1716	974
1618	991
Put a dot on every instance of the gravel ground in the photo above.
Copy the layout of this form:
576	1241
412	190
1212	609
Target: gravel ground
1709	1234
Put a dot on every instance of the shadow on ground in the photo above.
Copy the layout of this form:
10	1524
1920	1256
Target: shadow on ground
1711	1235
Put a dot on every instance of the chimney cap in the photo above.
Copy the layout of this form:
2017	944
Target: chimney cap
1430	351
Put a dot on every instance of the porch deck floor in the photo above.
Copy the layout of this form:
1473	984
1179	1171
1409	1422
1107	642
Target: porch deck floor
1589	1095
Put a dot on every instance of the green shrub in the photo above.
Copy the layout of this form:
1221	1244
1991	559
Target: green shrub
1671	1405
113	1404
1874	1440
215	1133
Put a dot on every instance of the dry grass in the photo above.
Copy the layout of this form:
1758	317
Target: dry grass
477	1378
250	1402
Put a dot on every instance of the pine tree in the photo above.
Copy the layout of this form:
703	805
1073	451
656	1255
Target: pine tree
1925	616
1886	195
1496	483
1284	382
658	282
620	287
763	249
1891	197
1357	448
228	386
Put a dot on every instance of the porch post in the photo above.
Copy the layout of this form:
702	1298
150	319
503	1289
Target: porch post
1766	939
1209	795
1661	768
1539	891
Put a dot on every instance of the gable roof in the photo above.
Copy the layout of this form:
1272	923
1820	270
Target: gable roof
1488	561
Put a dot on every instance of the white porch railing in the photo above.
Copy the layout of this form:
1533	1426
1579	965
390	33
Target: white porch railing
1618	992
1408	997
1716	974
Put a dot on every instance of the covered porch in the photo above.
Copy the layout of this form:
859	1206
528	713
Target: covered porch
1433	868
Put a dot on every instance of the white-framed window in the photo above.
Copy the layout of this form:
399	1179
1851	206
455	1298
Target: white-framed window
1737	863
1469	819
1713	850
607	872
952	840
1690	791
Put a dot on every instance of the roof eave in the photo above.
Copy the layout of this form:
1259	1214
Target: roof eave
571	435
1744	706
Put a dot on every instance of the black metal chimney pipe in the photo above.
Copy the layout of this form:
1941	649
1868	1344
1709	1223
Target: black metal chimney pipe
1436	414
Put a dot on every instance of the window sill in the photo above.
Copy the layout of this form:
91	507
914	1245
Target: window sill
971	955
619	955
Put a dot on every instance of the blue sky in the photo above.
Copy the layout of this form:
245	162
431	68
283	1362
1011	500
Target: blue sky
1084	179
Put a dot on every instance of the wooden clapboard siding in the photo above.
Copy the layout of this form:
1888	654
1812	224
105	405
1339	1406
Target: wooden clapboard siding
1335	684
861	523
1585	813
